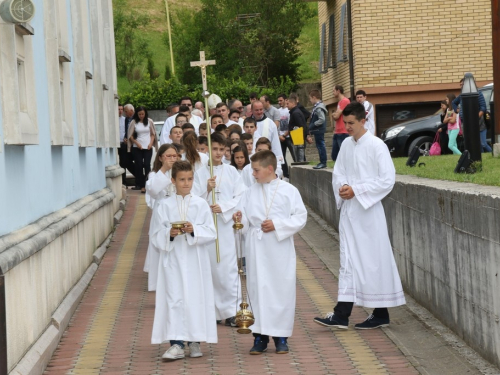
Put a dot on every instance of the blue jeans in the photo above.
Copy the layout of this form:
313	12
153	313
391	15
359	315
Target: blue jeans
337	142
320	145
484	145
180	343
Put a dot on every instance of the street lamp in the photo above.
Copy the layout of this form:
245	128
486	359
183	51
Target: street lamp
470	109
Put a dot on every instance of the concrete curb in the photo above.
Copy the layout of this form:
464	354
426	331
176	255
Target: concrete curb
39	355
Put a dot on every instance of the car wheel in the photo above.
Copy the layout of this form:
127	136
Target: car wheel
424	143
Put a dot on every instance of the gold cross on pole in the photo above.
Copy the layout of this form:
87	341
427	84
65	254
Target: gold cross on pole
203	65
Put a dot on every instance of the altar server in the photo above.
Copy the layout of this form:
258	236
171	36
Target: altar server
158	187
363	175
270	221
228	190
184	297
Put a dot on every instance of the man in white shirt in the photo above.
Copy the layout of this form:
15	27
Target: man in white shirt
223	110
270	111
266	128
370	113
170	123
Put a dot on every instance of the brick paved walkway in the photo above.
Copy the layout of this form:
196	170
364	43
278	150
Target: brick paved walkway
111	330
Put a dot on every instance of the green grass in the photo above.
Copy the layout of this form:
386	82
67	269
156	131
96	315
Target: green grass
309	48
442	167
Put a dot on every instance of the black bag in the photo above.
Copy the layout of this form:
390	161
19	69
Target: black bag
413	158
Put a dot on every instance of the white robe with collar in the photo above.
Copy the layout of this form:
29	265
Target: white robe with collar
184	295
270	257
249	179
368	273
224	274
158	187
170	123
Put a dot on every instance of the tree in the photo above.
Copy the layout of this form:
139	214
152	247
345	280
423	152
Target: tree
252	39
131	47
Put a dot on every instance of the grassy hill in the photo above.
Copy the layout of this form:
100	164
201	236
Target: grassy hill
309	39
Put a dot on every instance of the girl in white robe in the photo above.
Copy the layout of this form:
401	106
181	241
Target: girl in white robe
270	251
229	188
184	296
363	175
158	187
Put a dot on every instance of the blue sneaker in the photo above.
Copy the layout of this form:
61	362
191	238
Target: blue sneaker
281	345
372	323
330	320
259	345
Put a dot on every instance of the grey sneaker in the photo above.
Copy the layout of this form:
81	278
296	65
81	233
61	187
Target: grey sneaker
194	350
173	353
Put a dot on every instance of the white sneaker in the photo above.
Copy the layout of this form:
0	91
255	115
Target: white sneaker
194	350
173	353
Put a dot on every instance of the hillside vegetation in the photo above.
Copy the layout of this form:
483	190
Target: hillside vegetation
155	32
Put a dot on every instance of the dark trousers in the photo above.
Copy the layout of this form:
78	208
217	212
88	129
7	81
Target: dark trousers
343	310
337	142
287	144
180	343
320	145
126	161
142	161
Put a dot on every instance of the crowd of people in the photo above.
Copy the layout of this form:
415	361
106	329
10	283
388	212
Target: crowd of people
247	182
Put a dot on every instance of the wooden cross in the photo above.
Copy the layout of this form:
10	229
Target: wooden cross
203	65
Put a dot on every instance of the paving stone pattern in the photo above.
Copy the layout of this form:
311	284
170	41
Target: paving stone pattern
110	333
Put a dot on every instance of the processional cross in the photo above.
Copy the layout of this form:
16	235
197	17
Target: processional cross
203	65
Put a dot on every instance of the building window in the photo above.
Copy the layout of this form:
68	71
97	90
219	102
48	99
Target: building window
17	84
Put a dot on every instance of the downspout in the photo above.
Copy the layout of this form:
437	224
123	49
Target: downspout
351	52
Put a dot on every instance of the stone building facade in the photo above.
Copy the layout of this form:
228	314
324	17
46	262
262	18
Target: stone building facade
408	54
60	185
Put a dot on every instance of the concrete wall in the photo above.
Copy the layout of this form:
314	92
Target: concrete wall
446	241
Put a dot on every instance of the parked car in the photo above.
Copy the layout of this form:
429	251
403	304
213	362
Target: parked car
402	138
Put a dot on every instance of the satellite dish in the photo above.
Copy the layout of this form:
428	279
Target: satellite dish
17	11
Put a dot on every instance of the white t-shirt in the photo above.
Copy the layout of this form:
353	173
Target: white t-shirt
143	135
370	117
284	119
121	123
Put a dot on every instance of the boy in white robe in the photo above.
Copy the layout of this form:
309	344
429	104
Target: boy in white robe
363	175
159	186
270	221
184	296
247	173
228	190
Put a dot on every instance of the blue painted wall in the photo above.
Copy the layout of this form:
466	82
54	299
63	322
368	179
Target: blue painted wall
37	180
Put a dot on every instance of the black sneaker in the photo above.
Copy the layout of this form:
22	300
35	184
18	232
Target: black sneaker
230	322
330	320
259	345
320	166
373	322
281	345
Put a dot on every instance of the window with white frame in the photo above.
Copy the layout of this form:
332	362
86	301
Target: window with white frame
17	84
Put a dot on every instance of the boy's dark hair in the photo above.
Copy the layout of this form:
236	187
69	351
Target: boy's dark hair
232	111
216	116
250	120
184	108
263	141
175	127
203	126
246	137
356	109
265	158
253	95
181	166
220	128
361	92
186	98
316	94
219	138
339	88
282	96
221	104
187	125
202	140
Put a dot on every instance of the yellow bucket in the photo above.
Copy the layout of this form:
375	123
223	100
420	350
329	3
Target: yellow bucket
297	136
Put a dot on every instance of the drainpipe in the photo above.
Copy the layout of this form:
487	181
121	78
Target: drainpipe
351	52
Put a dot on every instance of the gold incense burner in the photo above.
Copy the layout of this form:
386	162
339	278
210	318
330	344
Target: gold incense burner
244	317
179	225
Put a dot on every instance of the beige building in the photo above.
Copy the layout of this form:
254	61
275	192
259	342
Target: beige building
407	55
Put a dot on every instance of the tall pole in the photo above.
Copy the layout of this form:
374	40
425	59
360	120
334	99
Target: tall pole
351	49
495	21
170	39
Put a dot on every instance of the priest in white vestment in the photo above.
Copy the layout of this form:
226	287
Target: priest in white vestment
184	295
363	175
272	212
229	188
266	128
